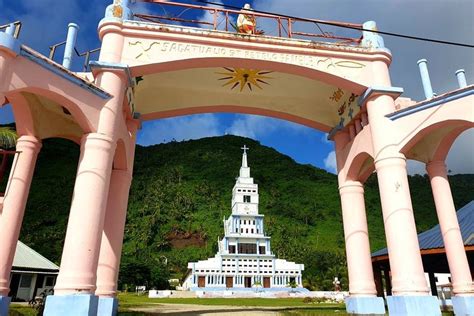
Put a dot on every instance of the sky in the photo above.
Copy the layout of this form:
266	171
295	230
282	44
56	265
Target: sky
45	23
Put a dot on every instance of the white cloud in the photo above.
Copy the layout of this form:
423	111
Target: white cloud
208	16
330	162
256	126
180	128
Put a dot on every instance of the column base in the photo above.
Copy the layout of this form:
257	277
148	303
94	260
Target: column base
365	305
411	305
71	305
4	305
463	305
108	306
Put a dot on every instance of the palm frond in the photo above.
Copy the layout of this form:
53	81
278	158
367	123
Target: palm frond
8	137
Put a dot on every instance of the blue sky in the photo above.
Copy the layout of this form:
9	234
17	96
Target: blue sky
45	23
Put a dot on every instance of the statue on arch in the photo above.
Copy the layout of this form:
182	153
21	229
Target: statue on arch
246	23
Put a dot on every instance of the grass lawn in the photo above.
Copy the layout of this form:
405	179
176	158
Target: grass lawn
21	310
129	300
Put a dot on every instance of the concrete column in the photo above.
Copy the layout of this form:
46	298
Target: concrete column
112	239
461	76
69	49
402	239
74	290
411	295
425	78
461	278
363	294
14	204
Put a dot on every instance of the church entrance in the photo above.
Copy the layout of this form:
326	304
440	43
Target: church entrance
248	282
201	281
266	282
229	282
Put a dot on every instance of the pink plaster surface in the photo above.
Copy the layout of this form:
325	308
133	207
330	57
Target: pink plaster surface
91	254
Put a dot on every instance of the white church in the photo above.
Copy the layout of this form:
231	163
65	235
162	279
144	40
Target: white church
244	260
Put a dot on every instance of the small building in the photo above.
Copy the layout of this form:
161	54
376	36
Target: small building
31	274
244	260
434	258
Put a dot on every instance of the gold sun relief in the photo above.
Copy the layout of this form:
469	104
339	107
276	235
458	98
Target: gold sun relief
244	77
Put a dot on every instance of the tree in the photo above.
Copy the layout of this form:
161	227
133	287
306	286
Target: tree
8	137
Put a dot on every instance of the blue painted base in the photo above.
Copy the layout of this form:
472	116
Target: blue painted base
4	305
365	305
108	306
413	305
463	305
71	305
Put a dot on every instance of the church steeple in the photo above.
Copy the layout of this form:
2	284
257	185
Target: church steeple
244	170
245	192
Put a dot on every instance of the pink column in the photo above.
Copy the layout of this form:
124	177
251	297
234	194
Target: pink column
86	219
359	264
402	239
14	205
457	260
112	237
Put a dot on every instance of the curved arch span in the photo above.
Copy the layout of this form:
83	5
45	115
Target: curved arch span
456	127
211	62
361	167
61	100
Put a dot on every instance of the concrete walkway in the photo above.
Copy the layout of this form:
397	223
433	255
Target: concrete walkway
204	310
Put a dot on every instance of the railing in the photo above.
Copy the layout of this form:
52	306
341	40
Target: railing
274	25
86	54
3	166
16	28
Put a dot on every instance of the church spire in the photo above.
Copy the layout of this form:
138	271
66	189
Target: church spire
244	170
244	156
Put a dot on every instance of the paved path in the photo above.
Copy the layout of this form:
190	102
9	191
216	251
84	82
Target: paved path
209	310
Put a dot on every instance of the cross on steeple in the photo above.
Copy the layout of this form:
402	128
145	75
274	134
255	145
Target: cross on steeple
245	148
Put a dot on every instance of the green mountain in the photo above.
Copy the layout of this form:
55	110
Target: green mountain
181	192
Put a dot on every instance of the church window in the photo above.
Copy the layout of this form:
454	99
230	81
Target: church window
241	230
252	231
261	250
246	230
246	248
231	249
246	198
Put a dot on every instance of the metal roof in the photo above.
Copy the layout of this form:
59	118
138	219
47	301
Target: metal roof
27	258
432	238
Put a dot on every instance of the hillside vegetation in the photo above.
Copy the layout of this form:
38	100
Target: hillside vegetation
181	192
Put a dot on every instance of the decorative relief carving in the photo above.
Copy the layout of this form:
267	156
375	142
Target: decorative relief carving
147	50
346	106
